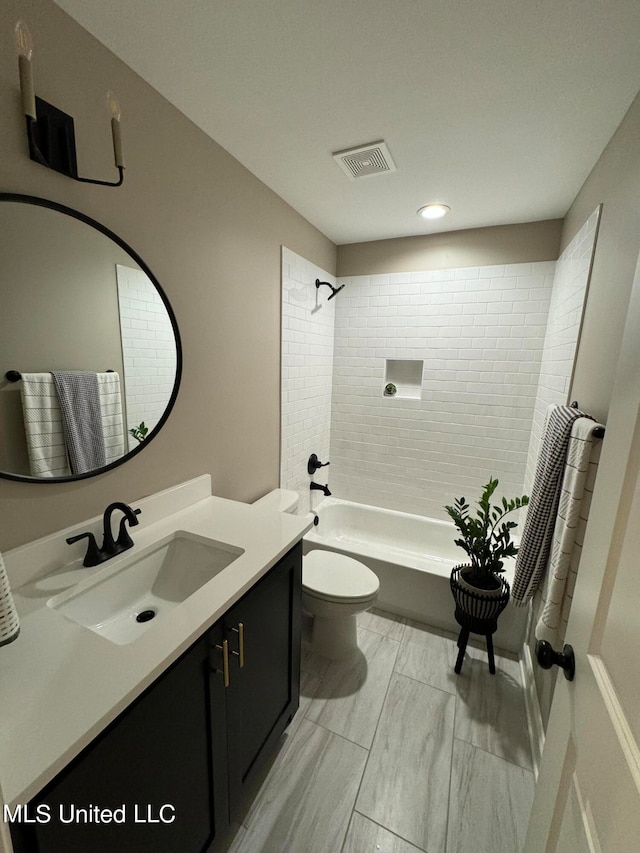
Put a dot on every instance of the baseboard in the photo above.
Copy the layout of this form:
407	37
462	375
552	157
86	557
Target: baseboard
534	714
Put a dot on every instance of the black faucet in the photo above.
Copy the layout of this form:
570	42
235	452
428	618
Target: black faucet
95	555
320	488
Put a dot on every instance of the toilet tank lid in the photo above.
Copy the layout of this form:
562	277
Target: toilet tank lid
281	500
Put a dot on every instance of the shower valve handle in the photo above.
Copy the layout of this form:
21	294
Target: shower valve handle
314	463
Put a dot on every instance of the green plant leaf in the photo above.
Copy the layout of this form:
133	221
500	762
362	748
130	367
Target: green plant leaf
485	536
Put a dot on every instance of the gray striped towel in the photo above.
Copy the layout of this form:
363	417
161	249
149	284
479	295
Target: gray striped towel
535	544
573	513
81	419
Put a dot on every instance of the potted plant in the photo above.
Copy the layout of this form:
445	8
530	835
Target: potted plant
480	593
139	432
486	538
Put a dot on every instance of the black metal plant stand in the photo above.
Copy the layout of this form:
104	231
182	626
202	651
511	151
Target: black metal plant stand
477	614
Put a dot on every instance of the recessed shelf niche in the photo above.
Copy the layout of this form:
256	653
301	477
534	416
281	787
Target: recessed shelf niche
406	375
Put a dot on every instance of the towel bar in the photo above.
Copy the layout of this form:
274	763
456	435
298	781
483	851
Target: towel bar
16	376
598	431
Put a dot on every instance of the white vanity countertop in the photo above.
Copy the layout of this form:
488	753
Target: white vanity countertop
61	684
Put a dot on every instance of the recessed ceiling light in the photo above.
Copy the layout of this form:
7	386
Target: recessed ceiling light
434	211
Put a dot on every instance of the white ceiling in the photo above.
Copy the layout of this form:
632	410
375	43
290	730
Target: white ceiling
498	108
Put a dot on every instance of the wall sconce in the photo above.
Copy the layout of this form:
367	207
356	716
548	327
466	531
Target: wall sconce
50	132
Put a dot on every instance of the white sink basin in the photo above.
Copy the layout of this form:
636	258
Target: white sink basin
124	600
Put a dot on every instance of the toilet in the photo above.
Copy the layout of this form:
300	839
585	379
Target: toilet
335	588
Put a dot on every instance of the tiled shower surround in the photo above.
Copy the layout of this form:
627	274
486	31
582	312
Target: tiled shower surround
563	330
479	333
148	349
307	372
475	335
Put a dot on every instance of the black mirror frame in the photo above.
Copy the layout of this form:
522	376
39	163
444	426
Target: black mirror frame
69	211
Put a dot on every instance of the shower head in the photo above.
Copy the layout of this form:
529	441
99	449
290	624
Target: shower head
334	290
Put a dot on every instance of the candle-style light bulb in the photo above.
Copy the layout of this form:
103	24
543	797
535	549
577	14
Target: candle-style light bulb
116	112
114	106
24	46
24	42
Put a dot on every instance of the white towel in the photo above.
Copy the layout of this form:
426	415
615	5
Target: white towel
9	622
112	420
573	512
43	423
43	426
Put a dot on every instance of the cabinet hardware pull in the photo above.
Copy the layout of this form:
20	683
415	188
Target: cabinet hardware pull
224	648
240	632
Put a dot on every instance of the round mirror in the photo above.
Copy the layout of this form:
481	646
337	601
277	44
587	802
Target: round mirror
90	356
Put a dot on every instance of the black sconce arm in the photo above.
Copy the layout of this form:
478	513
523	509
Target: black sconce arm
53	131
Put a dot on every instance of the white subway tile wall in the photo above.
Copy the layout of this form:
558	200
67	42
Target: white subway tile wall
563	329
148	349
307	374
480	332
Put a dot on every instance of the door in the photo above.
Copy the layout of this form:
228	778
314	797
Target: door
588	792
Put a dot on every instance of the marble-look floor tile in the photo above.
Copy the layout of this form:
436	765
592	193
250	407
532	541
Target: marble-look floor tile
406	784
365	836
350	696
313	663
382	622
490	709
307	800
490	802
428	655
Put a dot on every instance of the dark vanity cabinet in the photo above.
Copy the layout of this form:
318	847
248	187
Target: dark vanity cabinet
157	753
264	645
177	765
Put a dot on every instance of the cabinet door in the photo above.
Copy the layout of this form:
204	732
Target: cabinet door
263	694
157	753
218	728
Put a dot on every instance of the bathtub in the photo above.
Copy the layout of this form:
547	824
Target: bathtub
413	557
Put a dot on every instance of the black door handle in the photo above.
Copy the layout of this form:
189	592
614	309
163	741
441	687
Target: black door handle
547	656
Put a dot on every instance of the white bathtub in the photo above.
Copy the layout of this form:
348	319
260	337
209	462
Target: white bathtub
413	557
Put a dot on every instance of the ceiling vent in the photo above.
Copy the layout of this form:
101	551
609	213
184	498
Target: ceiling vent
365	160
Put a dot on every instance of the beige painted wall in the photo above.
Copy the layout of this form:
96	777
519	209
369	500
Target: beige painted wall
209	231
500	244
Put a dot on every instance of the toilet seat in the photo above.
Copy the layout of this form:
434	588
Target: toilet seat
338	578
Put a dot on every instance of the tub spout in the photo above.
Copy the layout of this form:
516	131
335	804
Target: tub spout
320	488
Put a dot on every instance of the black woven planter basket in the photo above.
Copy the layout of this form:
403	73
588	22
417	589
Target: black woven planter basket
477	613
